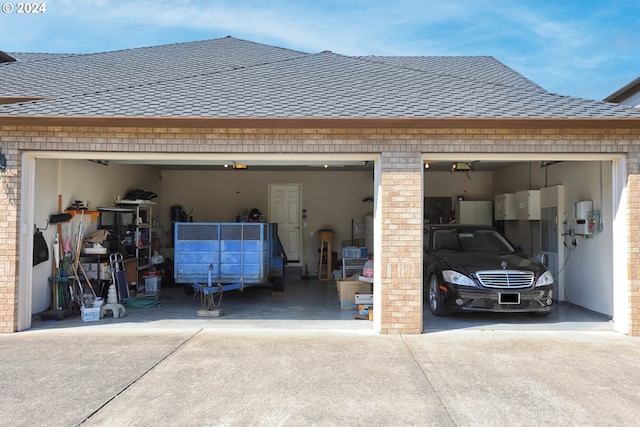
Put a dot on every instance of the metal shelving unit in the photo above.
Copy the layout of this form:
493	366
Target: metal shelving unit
129	223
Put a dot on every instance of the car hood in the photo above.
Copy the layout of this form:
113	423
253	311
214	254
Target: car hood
470	262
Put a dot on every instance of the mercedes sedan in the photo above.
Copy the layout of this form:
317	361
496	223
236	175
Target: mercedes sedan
476	268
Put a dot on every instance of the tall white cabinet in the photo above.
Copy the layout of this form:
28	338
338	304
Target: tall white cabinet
521	205
505	206
528	205
474	212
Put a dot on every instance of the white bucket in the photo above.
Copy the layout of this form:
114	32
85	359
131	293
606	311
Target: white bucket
150	284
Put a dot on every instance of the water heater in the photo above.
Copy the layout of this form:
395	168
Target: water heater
583	217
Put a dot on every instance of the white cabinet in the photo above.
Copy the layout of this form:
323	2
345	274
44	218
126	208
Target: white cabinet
474	212
505	206
528	205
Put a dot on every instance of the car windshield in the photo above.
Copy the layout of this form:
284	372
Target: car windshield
470	241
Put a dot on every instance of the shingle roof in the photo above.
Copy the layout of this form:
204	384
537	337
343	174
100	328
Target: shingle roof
36	56
480	68
99	72
231	78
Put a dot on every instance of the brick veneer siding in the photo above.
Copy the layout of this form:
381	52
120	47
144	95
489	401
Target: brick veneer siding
401	252
400	191
9	211
633	191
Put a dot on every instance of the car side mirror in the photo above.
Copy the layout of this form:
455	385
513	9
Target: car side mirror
519	249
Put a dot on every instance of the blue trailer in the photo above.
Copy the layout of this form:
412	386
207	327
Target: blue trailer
212	257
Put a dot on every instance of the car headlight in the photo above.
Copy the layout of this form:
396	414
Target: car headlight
456	278
546	279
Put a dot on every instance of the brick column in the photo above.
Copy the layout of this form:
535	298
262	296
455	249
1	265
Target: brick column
9	209
400	254
633	194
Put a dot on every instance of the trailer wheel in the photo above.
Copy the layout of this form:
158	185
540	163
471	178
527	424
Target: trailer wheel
188	289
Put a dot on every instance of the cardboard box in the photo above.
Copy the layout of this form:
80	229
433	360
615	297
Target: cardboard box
346	305
364	299
340	282
365	312
347	290
91	269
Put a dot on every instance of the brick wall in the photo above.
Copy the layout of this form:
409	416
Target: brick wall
633	191
401	252
400	192
9	211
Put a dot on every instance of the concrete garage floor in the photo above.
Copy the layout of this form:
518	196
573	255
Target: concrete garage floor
313	304
565	317
300	360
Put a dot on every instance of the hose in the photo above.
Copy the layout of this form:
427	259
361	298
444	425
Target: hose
141	302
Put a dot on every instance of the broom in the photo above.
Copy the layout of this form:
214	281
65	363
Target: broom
76	261
58	289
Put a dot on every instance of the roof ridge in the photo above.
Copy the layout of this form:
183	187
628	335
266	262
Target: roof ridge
181	43
173	79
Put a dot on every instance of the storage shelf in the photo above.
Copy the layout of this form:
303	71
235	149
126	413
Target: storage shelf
129	224
93	215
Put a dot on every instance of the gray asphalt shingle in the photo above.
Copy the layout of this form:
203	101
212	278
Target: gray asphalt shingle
235	78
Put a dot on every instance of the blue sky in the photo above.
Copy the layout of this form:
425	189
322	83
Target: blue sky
584	48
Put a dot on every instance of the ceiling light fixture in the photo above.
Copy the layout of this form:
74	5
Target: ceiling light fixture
240	166
461	167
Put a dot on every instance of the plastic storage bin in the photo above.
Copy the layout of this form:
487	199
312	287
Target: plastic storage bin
354	252
90	314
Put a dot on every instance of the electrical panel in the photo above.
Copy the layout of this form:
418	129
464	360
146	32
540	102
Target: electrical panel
583	218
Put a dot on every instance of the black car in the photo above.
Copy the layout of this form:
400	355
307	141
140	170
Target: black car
476	268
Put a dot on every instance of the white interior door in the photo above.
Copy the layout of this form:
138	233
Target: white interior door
284	209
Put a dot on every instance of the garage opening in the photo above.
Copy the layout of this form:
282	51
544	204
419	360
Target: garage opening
563	212
302	195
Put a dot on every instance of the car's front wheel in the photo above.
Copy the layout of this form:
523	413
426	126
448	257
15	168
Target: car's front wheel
435	297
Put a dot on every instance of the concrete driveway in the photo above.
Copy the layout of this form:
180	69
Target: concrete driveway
186	373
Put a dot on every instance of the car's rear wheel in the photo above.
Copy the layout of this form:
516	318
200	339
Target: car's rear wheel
435	297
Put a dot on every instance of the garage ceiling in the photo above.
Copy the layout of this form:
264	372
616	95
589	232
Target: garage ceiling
304	165
254	165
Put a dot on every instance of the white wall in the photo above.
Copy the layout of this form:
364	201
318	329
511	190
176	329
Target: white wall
95	185
475	186
332	199
588	277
